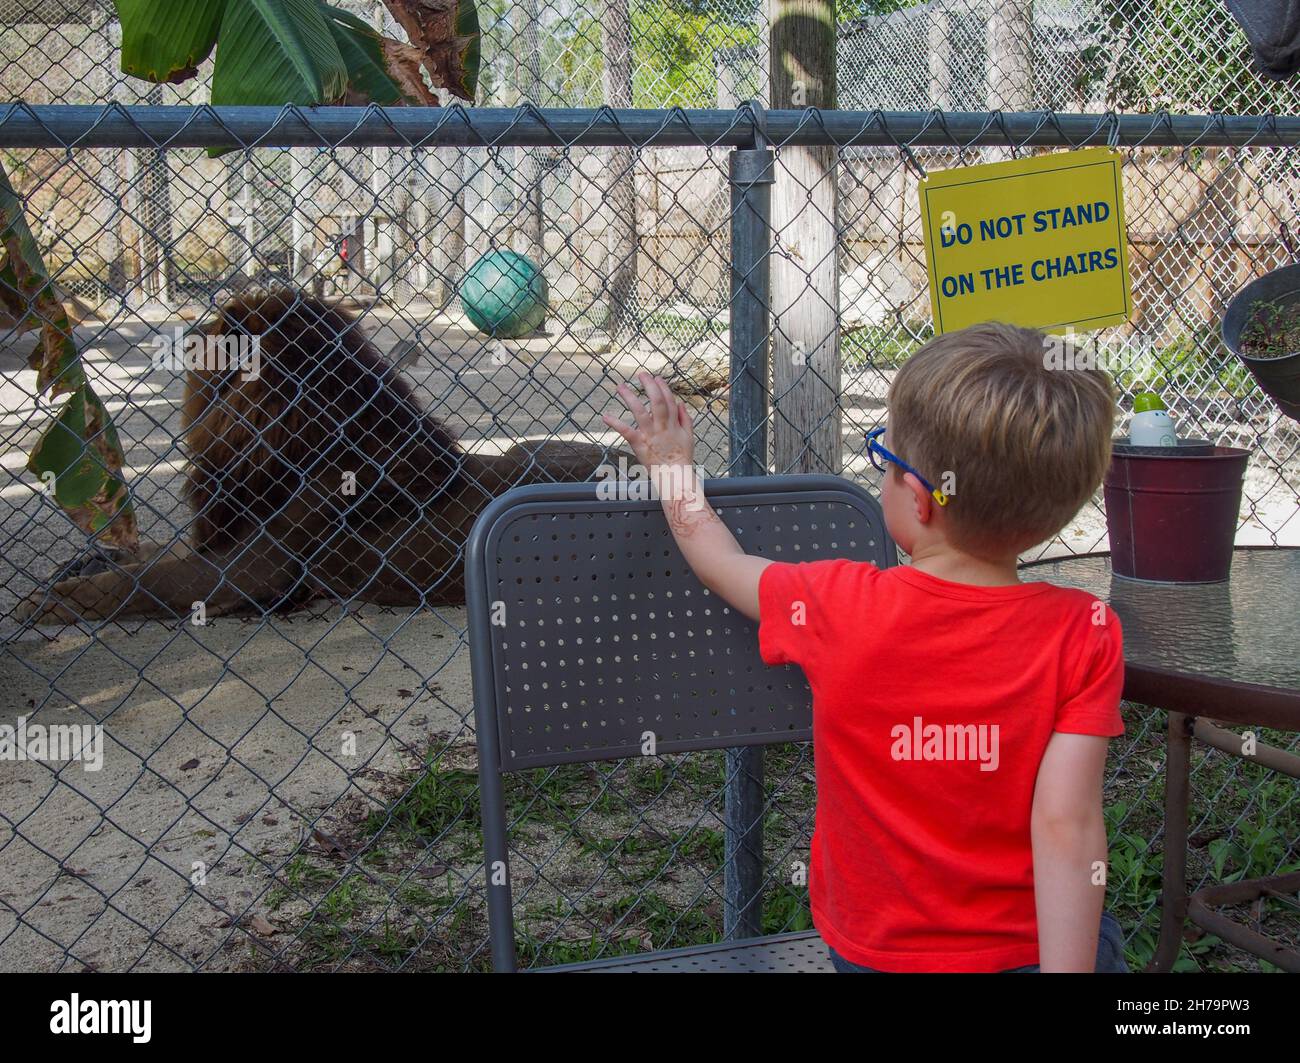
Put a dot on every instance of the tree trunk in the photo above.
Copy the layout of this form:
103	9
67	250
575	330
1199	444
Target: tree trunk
112	175
1213	223
154	204
620	205
395	237
444	221
301	245
806	417
1011	56
531	236
941	68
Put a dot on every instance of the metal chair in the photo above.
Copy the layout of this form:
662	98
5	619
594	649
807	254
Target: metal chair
588	629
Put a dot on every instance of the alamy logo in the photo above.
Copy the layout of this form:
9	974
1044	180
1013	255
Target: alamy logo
56	742
178	353
75	1015
954	741
632	482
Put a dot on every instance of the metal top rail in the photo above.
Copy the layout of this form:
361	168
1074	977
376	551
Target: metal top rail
117	126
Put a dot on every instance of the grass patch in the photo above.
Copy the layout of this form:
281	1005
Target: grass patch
627	856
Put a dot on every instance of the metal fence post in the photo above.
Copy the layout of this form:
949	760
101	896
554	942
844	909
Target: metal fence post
750	178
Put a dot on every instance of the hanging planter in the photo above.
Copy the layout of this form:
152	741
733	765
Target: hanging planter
1262	328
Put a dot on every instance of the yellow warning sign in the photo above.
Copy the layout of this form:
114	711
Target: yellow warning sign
1037	242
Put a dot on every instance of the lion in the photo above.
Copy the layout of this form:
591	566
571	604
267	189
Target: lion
318	477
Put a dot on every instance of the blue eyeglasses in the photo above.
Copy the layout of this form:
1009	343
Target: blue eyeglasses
874	447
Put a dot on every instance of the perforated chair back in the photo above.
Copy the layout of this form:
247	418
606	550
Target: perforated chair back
589	632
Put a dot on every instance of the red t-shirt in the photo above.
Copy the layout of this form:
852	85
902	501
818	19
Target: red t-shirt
933	703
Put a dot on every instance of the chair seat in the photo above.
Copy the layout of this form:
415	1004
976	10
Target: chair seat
802	952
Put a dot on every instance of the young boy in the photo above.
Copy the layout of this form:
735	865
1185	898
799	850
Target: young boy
960	717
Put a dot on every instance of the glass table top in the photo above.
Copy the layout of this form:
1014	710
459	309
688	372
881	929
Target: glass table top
1245	630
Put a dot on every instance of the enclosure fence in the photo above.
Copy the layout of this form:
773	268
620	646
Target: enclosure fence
291	785
1068	55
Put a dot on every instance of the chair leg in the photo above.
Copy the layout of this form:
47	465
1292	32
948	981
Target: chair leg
1173	890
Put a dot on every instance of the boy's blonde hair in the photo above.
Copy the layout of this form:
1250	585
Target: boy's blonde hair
1026	445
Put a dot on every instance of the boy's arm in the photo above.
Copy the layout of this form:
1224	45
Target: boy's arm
712	551
663	443
1069	845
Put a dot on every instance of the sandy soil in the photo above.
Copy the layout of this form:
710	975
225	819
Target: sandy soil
224	742
228	744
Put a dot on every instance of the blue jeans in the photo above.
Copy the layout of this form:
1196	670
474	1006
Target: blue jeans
1110	954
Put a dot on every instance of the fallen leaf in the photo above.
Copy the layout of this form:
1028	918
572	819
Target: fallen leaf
331	845
261	926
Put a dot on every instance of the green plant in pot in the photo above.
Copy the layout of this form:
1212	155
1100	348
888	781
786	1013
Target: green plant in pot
1262	328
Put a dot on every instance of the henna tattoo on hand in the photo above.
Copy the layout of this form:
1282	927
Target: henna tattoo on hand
689	513
685	519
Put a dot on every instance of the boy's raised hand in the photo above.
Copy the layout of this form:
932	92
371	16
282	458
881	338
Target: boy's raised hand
661	434
663	441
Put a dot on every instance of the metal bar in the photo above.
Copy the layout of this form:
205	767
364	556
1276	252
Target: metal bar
115	126
751	176
1201	913
1173	887
496	841
1271	757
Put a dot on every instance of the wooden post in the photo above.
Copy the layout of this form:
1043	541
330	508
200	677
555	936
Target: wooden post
250	229
300	226
940	40
390	177
1011	55
532	231
479	179
1010	50
444	221
727	94
620	191
107	37
806	418
153	178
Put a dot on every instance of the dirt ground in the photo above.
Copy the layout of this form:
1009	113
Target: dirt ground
228	744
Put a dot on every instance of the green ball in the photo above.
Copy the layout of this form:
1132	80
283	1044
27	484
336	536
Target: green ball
504	294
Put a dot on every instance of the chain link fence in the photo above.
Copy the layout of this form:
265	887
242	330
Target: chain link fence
1186	56
292	785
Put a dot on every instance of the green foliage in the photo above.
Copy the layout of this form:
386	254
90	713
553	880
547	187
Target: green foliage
674	53
166	40
675	44
848	10
1273	330
277	52
1181	55
882	346
79	452
785	910
438	800
307	52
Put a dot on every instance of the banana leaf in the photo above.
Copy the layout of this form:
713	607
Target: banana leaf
79	452
166	40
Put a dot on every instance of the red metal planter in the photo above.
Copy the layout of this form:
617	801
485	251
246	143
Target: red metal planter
1173	516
